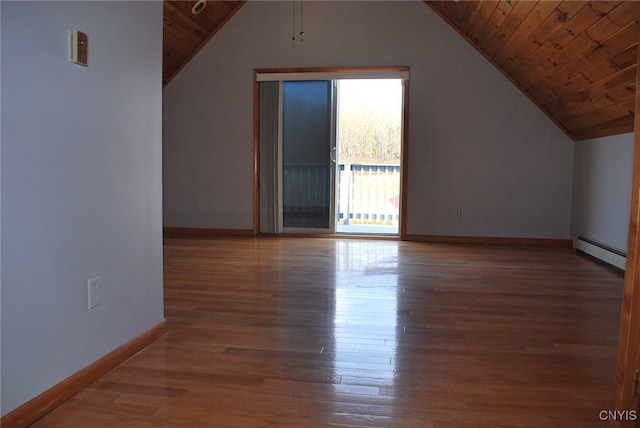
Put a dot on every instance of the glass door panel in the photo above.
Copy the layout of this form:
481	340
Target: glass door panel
307	167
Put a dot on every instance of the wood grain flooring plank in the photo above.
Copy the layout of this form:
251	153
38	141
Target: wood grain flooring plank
308	332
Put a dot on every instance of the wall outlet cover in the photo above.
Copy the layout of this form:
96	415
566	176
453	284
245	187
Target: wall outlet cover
93	292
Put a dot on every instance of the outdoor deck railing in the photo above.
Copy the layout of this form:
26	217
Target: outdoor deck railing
367	194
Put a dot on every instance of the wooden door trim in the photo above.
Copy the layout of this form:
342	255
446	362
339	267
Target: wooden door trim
404	153
256	154
628	343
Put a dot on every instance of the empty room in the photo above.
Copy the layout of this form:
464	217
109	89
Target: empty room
319	213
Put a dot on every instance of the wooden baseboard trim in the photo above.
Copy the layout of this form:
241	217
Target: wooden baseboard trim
189	232
44	403
489	240
185	232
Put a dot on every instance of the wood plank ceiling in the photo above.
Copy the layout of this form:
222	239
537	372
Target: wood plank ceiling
576	60
185	32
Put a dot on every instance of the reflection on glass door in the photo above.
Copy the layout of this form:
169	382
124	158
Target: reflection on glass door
307	166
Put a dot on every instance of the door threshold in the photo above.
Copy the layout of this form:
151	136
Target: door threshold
356	235
338	235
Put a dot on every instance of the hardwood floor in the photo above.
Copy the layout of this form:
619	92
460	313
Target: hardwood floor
312	332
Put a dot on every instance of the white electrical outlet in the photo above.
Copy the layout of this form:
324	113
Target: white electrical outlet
458	212
93	292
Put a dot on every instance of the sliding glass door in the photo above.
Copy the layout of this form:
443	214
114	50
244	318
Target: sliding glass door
308	150
301	122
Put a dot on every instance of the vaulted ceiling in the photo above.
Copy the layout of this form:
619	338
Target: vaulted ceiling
576	60
185	32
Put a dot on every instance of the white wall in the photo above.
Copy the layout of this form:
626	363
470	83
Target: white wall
81	186
475	141
602	179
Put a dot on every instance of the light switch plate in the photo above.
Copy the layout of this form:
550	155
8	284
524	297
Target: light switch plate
79	48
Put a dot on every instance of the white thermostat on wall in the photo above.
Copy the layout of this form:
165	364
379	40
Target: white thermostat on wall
79	48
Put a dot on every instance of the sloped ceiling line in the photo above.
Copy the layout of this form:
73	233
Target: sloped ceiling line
185	33
576	60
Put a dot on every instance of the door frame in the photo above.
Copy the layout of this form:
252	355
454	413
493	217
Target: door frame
628	362
330	73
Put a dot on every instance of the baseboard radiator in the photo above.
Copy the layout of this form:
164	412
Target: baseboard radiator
600	251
